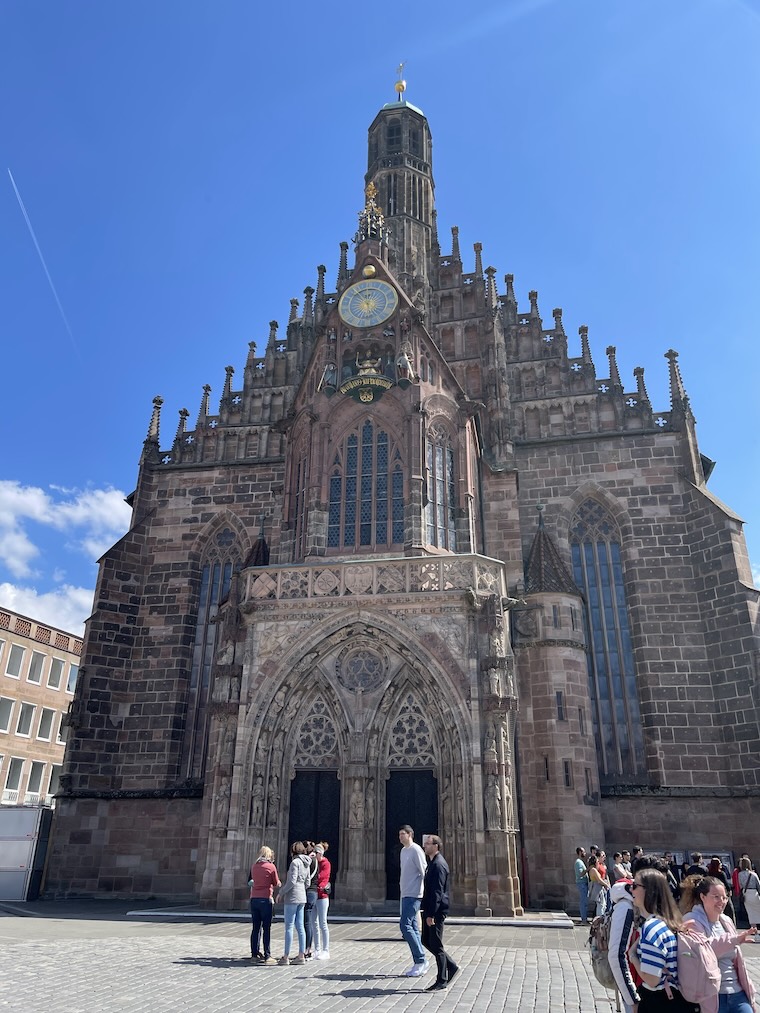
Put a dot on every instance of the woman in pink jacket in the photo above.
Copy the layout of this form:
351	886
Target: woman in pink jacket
736	994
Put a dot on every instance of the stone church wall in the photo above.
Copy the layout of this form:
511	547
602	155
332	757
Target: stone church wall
124	847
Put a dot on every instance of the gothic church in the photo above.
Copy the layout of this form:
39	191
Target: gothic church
426	564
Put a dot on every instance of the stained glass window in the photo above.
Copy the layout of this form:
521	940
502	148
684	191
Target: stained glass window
216	574
440	510
598	571
366	492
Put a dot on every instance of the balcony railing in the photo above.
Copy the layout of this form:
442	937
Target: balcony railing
375	577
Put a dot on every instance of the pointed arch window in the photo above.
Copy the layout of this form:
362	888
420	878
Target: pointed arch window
598	572
221	560
366	492
440	509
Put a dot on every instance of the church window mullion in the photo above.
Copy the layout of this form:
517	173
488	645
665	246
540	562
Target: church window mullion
609	644
613	688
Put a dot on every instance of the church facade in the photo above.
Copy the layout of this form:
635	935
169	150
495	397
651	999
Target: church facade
424	565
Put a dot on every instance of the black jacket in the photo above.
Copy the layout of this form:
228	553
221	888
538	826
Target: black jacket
435	892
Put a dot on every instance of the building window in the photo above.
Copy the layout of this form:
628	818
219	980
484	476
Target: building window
556	621
598	571
13	780
32	794
441	491
55	674
6	709
587	773
546	768
24	725
72	679
55	777
560	698
15	660
45	729
366	490
62	732
581	721
216	576
35	667
393	136
567	773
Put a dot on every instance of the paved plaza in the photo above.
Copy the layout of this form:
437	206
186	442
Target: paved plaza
93	958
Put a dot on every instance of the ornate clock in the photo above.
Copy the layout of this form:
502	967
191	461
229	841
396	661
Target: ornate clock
367	303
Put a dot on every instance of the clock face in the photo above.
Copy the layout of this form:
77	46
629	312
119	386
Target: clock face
367	303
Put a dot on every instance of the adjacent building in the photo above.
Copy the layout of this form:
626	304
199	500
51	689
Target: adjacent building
431	561
39	666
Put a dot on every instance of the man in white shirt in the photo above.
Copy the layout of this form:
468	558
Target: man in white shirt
413	865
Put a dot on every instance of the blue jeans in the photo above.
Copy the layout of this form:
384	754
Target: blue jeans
737	1002
261	916
410	908
293	915
582	885
321	931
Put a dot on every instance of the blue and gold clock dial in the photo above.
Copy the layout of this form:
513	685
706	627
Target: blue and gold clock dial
367	303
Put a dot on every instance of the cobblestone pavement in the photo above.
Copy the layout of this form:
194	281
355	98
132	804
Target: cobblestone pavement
94	960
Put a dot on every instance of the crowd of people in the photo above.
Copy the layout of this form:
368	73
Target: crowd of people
648	900
305	895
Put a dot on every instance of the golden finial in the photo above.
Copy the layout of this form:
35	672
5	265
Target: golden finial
371	192
400	85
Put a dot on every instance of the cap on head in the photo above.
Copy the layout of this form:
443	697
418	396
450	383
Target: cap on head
319	850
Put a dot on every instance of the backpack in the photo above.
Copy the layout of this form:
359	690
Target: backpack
599	944
698	971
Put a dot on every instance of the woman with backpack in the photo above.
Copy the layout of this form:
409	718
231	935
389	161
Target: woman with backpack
656	955
598	886
749	887
293	895
736	991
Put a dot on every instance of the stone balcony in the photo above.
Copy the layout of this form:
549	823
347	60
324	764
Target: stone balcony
369	578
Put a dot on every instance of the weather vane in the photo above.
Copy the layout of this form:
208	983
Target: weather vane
400	85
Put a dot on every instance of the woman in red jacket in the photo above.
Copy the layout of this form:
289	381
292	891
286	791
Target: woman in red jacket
321	931
263	881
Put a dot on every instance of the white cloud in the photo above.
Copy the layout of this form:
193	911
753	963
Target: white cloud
756	575
67	607
91	518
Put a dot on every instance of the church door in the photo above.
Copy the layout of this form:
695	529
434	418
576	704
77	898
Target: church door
411	797
315	811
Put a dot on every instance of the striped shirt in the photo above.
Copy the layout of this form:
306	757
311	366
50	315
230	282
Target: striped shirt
658	952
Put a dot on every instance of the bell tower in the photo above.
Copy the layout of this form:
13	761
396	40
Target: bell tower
400	166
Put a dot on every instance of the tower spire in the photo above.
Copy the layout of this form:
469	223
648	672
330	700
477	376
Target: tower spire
203	412
679	400
456	256
640	388
343	266
585	347
614	372
155	420
478	248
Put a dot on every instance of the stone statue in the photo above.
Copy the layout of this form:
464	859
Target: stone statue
278	747
372	747
370	803
222	801
228	743
490	744
273	801
494	681
257	801
368	365
356	806
493	803
460	801
445	798
495	643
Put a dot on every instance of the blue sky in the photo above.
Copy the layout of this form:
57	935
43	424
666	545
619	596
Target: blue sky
185	167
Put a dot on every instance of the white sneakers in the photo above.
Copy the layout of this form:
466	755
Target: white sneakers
322	955
417	970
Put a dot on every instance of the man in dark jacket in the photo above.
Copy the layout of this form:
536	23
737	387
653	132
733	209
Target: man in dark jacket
435	907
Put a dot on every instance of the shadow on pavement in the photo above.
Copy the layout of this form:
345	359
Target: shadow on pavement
223	962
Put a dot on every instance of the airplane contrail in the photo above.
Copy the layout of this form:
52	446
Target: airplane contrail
42	259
